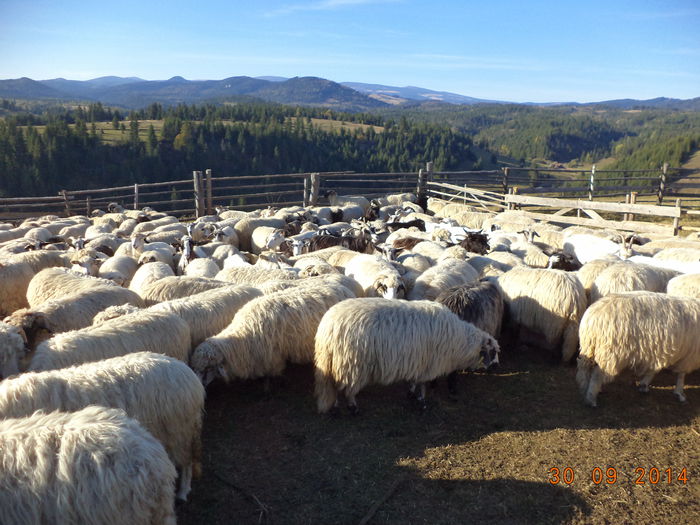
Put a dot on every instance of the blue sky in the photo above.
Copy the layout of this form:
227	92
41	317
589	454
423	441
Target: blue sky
518	50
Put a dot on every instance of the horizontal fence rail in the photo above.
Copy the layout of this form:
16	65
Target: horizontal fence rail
485	190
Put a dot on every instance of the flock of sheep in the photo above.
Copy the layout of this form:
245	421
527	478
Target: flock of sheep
114	325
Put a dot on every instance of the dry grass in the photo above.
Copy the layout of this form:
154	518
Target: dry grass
484	458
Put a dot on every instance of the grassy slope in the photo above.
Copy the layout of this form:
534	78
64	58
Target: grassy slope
109	135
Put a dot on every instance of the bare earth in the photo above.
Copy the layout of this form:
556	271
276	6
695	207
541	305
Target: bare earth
485	458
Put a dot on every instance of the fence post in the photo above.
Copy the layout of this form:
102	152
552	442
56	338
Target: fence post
422	189
314	189
662	182
591	185
210	207
677	220
65	201
198	197
307	190
633	200
88	205
136	196
506	172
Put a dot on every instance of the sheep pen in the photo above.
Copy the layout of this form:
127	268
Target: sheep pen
489	456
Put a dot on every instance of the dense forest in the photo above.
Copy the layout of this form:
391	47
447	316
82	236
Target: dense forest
573	135
64	149
45	148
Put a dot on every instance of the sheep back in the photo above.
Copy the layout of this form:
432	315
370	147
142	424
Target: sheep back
643	331
208	313
372	340
549	302
159	332
79	467
175	287
267	332
478	303
14	281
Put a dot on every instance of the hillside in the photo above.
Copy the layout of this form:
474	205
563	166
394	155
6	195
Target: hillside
135	93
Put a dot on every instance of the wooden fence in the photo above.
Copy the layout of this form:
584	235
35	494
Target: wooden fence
489	190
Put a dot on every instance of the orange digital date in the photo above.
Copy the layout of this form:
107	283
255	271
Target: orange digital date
609	476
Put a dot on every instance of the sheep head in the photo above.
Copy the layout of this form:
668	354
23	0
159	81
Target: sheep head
488	355
208	363
32	326
389	287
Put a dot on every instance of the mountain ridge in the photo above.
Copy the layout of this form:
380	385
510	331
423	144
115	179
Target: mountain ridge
134	92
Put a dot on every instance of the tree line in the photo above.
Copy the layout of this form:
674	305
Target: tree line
40	154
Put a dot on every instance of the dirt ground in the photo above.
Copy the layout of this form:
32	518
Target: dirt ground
486	457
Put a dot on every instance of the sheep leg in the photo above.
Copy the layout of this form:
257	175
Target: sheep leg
452	384
185	484
352	403
678	391
645	381
421	397
412	391
594	385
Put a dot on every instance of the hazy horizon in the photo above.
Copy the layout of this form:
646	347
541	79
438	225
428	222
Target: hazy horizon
506	50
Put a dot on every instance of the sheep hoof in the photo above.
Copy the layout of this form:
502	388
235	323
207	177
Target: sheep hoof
644	389
353	410
681	397
411	394
591	403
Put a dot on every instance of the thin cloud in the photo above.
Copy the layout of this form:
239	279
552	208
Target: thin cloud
325	5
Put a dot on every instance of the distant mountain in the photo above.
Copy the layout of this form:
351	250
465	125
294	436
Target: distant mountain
317	91
27	88
692	104
273	79
133	92
399	95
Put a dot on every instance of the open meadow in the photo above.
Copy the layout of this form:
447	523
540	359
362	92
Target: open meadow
486	457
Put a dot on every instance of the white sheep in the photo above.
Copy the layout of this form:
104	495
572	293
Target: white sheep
148	274
118	268
625	276
588	247
685	285
70	312
266	238
372	340
161	393
377	277
209	312
332	279
347	200
159	332
267	332
252	275
245	227
590	271
54	283
547	302
642	331
13	349
202	267
312	266
447	273
14	281
174	287
94	466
